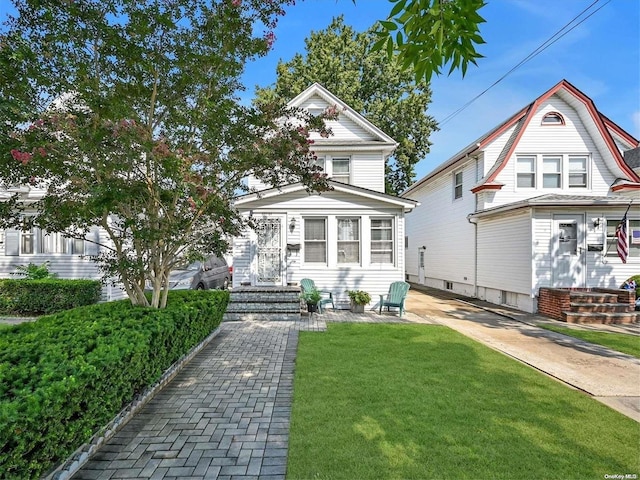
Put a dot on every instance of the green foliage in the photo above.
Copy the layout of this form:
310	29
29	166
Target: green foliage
132	121
429	34
625	343
359	297
342	61
65	376
48	295
33	271
312	296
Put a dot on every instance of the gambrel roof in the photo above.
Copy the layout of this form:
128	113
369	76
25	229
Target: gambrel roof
604	132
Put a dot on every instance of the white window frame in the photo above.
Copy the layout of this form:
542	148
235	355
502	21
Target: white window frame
342	176
315	240
584	172
552	119
374	243
341	260
31	234
564	174
458	179
531	174
555	174
611	249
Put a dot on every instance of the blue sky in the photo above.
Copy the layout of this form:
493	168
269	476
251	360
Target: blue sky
601	57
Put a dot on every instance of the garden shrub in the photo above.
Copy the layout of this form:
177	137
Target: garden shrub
67	375
44	296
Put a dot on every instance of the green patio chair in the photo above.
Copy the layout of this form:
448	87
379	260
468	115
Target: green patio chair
395	297
327	297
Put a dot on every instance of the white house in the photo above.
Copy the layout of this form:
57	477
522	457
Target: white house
532	203
348	238
66	257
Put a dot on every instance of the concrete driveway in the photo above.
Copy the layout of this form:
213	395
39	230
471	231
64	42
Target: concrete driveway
611	377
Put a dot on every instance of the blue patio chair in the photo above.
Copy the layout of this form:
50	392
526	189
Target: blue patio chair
327	297
395	297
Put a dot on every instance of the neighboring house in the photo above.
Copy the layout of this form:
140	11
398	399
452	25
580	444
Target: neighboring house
348	238
533	203
67	257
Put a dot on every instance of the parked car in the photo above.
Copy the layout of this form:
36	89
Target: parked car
213	273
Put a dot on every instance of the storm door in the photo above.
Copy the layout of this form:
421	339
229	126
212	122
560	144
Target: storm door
568	251
269	251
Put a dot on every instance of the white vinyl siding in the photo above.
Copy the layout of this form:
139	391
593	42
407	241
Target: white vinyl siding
504	253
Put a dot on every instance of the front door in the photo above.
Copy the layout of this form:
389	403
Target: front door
567	251
269	259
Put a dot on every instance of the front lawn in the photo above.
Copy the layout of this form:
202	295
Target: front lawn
422	401
629	344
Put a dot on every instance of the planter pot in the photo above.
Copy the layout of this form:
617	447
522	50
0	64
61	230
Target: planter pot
357	308
312	307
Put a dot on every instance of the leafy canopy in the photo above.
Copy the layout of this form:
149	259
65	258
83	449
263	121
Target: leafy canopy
125	114
377	87
429	34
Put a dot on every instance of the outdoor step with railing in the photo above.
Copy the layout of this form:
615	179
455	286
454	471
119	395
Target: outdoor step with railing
263	303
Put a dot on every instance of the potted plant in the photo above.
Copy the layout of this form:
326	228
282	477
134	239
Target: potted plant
359	298
312	297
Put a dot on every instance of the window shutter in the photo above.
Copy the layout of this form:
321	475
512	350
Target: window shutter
12	243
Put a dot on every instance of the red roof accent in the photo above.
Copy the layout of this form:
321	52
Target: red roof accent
625	186
597	117
487	186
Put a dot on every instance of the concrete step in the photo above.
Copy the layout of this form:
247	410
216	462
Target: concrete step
272	307
263	303
600	317
262	316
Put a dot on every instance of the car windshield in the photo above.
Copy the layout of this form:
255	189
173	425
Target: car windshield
195	266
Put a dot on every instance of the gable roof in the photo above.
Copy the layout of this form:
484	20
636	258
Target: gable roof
344	109
521	119
407	204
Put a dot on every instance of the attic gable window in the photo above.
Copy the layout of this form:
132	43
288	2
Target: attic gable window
553	118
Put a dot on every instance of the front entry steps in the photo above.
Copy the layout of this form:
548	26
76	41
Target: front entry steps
588	305
596	307
263	303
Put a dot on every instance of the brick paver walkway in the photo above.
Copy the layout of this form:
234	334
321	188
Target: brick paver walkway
225	415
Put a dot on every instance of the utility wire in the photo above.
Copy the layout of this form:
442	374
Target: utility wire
550	41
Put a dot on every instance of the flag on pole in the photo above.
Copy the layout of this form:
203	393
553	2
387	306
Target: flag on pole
623	239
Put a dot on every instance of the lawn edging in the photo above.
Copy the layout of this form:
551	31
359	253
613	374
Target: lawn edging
84	453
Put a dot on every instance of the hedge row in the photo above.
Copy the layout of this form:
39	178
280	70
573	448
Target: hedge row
39	297
66	375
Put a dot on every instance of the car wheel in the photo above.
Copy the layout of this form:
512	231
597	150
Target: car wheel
200	287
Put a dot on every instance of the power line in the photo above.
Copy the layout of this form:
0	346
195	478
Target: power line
546	44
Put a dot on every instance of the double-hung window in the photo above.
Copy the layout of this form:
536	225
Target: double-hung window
341	170
319	162
348	240
28	242
577	171
633	237
551	172
315	240
382	240
526	171
457	185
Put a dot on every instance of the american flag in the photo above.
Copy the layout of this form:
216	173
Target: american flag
623	239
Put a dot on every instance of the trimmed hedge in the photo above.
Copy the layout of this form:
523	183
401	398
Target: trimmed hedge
49	295
67	375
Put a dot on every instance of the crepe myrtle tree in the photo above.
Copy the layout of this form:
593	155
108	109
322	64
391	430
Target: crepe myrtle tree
137	127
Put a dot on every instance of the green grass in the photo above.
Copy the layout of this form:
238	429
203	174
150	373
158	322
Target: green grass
629	344
422	401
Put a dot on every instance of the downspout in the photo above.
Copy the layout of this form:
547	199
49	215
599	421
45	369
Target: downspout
474	222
